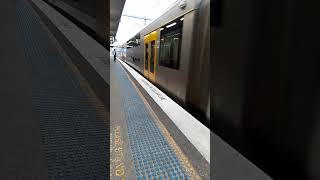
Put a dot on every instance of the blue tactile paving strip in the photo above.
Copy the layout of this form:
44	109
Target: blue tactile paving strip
74	138
152	155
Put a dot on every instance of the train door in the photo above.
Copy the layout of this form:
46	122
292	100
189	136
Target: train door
150	56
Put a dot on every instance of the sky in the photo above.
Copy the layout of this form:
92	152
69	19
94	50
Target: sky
151	9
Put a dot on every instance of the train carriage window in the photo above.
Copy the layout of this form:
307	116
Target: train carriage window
170	43
135	41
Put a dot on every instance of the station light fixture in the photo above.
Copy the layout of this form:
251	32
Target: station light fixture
170	25
181	19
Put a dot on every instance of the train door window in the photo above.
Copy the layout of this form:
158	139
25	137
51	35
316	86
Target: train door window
170	43
152	56
146	60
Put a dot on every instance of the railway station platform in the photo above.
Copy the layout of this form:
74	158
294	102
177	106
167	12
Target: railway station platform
145	141
152	137
58	121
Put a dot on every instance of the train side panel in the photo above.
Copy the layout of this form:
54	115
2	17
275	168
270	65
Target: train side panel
184	83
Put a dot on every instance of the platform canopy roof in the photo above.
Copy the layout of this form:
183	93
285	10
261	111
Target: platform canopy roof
116	7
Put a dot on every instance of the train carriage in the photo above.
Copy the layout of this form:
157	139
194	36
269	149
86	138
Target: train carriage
173	53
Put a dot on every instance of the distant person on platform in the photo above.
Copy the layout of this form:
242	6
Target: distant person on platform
114	55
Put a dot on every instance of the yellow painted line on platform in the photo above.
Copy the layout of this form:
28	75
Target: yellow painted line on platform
116	150
180	155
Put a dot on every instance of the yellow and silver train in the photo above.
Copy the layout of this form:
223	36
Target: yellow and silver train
173	53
